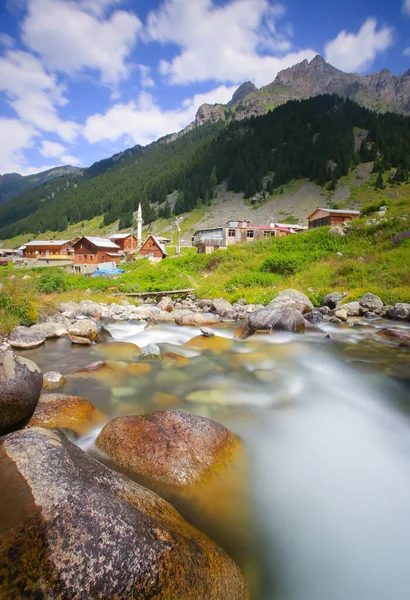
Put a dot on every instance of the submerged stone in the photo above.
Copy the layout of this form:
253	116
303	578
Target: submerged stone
61	411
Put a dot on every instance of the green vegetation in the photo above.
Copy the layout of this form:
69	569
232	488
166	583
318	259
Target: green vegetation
310	139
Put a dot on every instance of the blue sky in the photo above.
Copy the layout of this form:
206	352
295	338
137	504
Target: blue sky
83	79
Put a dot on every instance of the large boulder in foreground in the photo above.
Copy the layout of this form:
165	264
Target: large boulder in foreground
20	386
56	411
171	446
80	530
270	319
291	299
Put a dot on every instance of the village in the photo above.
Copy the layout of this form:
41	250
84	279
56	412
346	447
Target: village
90	254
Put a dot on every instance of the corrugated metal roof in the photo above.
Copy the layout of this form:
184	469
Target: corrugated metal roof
101	242
339	211
119	236
48	243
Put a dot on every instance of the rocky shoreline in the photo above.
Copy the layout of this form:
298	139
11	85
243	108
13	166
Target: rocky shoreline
73	526
290	310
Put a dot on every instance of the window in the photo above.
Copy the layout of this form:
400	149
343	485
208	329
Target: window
269	234
249	234
231	233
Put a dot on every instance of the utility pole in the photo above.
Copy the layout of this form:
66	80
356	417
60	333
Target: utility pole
177	222
139	225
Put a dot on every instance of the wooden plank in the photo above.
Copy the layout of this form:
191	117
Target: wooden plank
145	294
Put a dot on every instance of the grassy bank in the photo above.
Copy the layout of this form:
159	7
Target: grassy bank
314	262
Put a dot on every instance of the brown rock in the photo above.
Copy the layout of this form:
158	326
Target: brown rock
60	411
82	531
172	447
81	341
20	386
138	368
192	319
395	334
216	344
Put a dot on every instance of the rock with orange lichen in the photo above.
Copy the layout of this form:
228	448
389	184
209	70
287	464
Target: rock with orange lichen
172	447
73	528
138	368
216	344
60	411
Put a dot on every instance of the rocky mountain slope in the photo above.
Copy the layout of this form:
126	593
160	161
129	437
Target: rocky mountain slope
14	184
379	91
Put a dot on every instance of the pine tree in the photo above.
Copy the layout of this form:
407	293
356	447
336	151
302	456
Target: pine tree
213	179
250	189
380	185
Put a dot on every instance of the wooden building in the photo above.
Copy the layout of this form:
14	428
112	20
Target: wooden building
153	249
237	232
49	249
127	242
95	250
330	216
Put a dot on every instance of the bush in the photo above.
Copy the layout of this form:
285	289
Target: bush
284	264
17	304
51	282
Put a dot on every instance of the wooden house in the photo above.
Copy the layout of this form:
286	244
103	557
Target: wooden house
49	249
236	232
127	242
95	250
331	216
153	249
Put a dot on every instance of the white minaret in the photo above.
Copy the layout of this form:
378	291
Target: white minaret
139	226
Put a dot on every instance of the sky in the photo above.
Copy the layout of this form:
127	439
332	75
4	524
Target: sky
83	79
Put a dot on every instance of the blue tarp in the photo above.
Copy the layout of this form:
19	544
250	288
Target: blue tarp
108	272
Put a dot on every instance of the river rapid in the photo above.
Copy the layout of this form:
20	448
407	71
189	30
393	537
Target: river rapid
317	505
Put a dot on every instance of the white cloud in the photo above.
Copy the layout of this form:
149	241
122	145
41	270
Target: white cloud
406	7
144	121
34	94
49	149
406	51
6	40
221	42
355	52
69	159
146	79
72	36
16	137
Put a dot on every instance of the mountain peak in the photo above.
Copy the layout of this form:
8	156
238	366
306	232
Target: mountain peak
243	90
318	60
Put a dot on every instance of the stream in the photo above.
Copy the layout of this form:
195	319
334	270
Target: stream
317	504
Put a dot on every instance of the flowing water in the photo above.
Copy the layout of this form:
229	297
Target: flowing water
317	504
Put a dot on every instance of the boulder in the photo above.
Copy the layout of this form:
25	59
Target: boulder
80	530
221	307
394	333
86	328
20	387
197	319
333	300
352	308
292	299
91	309
53	380
204	304
172	446
214	343
341	313
400	312
280	319
314	317
206	332
336	230
22	338
371	302
50	330
81	341
56	411
165	304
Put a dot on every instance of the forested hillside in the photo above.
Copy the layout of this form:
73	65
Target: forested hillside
311	139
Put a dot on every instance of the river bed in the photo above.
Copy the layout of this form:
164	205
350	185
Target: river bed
317	506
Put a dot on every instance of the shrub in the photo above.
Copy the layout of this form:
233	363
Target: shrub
17	303
284	264
51	282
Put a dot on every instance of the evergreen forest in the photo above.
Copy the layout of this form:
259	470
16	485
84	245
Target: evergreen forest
312	139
